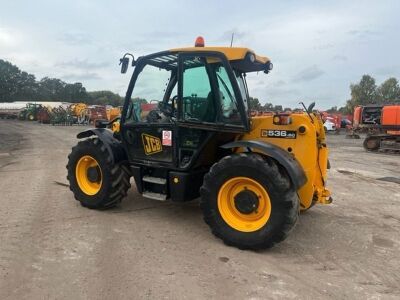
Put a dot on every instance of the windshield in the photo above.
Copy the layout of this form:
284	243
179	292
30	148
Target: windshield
243	88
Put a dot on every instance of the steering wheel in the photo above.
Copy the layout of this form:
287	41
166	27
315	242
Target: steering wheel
167	109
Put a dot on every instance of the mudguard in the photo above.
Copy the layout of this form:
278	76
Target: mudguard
113	146
289	162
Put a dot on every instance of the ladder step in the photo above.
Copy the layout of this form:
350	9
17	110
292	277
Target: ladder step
156	180
154	196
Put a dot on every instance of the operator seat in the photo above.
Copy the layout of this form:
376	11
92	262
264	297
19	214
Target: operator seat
210	111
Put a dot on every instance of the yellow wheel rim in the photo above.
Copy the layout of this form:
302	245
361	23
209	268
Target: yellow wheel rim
88	186
253	210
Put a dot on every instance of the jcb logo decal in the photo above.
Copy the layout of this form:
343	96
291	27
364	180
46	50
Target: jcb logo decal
151	144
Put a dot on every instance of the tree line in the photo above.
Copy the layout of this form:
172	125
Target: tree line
17	85
366	91
257	106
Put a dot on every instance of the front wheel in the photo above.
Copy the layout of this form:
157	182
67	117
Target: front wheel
249	202
95	181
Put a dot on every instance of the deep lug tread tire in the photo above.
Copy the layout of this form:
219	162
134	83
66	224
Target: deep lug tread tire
284	200
115	181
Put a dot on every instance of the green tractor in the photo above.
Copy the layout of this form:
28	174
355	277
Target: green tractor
30	112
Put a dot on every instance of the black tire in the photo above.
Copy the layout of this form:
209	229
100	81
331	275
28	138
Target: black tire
266	171
115	177
30	117
371	143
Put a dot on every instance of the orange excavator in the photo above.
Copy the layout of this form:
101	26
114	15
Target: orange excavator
382	124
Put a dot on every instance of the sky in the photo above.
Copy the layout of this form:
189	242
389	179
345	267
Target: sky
318	48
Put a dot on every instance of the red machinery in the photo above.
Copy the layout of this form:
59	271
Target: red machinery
93	113
382	124
43	115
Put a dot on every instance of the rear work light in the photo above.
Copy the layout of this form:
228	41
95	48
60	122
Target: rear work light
282	120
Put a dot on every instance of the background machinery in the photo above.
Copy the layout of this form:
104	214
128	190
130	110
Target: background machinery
253	174
78	112
43	115
382	125
113	112
92	113
30	112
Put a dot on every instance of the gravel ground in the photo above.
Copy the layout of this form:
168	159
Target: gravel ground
52	248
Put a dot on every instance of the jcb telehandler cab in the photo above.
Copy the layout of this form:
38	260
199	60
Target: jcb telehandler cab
186	131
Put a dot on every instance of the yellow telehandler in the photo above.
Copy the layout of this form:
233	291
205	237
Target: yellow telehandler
186	132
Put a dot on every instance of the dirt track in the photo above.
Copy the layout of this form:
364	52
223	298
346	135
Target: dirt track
51	247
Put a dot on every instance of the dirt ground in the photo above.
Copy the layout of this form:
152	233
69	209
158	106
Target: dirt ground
52	248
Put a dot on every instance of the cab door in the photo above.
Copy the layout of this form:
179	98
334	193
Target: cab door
210	106
149	134
209	95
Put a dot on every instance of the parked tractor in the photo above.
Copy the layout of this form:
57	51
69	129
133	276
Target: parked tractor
30	112
253	174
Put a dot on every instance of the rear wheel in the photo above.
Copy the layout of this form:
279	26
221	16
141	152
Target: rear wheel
249	202
95	181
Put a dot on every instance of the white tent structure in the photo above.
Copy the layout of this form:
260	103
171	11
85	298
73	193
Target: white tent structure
22	104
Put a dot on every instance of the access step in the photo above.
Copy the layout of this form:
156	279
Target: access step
156	180
154	196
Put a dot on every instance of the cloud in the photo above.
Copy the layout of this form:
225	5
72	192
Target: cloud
84	64
309	44
363	33
308	74
76	39
279	83
364	36
80	76
323	46
339	58
391	70
238	36
162	34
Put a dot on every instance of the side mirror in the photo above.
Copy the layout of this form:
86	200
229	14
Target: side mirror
310	107
124	62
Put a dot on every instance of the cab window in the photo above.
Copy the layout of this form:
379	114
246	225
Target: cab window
197	98
208	94
149	91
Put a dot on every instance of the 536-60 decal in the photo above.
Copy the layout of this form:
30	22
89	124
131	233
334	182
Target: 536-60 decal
283	134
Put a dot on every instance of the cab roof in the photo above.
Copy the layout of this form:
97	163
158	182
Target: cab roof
242	59
232	53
